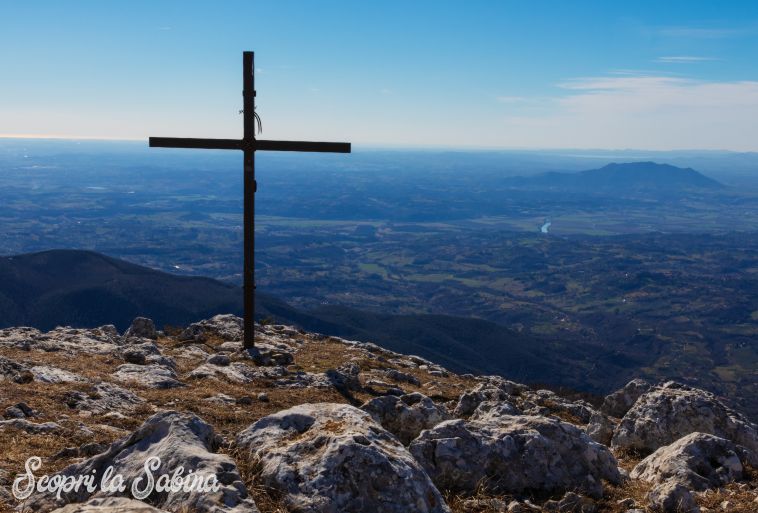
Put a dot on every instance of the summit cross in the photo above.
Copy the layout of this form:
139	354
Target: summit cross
249	145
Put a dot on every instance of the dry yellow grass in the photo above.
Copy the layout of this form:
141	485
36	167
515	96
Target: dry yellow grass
313	355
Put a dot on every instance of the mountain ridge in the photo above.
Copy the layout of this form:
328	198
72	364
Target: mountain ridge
622	176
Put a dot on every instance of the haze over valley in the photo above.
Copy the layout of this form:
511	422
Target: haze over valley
599	266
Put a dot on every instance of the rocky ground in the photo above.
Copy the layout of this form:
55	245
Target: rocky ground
312	423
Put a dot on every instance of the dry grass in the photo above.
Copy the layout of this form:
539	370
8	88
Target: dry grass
313	356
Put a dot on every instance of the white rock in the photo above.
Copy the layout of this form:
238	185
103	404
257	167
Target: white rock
47	374
141	327
102	398
620	401
672	497
670	411
178	439
11	370
150	376
29	427
406	416
335	458
514	454
226	327
697	461
601	427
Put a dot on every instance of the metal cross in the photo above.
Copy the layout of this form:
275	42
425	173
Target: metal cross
249	145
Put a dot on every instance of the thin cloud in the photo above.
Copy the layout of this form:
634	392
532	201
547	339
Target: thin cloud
684	59
655	112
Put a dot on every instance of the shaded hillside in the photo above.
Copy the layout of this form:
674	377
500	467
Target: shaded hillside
83	288
623	178
87	289
465	345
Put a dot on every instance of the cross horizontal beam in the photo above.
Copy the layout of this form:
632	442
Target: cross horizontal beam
326	147
182	142
258	144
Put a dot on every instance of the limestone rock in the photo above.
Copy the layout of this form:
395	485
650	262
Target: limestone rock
402	377
142	351
571	503
110	505
98	340
697	461
236	372
334	458
178	439
670	411
225	327
345	378
18	338
672	497
150	376
514	454
141	327
221	360
47	374
19	411
490	391
29	427
11	370
601	427
268	354
620	401
406	416
547	402
102	398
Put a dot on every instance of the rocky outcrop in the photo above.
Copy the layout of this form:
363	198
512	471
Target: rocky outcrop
148	376
335	458
141	327
697	461
102	398
505	447
29	427
48	374
620	401
492	391
103	340
670	411
224	327
513	455
672	497
406	416
601	427
11	370
177	439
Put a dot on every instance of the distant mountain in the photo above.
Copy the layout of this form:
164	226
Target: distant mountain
623	178
87	289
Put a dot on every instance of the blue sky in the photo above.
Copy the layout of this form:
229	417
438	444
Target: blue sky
495	74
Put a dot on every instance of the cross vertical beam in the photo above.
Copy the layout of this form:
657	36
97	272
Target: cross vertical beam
248	105
249	145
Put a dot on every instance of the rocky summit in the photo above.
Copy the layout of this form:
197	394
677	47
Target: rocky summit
311	423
